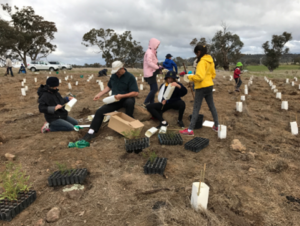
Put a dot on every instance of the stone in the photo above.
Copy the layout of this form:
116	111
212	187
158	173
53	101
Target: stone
40	222
74	191
10	157
109	138
42	150
252	169
53	215
252	154
236	145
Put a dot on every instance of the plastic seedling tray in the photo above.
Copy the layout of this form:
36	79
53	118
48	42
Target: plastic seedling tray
167	139
136	145
10	209
158	166
199	121
74	176
197	144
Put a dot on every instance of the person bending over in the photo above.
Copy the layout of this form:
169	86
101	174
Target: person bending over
175	102
102	73
124	87
52	104
169	63
237	76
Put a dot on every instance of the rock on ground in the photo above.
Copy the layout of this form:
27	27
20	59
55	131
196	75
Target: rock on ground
236	145
40	222
10	157
53	215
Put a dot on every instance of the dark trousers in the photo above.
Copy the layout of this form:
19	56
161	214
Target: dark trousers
63	125
127	103
238	82
151	96
206	93
156	112
9	69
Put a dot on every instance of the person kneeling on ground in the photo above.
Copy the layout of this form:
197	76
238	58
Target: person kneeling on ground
102	73
237	76
175	102
52	104
124	87
22	69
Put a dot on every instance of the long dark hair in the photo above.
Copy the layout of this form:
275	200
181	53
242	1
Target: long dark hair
202	49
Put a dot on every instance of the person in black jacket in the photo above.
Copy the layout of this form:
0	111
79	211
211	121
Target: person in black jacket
102	73
52	104
175	102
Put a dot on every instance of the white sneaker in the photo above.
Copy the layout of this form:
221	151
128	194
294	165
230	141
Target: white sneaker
45	128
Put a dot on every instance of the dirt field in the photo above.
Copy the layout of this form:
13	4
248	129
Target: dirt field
246	188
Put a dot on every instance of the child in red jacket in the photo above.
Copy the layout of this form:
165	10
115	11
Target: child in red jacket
237	76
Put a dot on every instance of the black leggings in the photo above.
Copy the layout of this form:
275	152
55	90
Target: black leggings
127	103
156	112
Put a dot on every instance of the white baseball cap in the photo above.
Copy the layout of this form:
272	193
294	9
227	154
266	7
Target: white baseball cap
116	65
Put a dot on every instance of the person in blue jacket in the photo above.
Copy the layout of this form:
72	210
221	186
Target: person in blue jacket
169	63
175	102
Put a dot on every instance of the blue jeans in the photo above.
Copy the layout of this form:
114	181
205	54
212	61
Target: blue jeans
63	125
151	96
9	69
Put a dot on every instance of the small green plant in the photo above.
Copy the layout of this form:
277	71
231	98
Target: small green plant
13	181
62	168
151	155
171	134
131	134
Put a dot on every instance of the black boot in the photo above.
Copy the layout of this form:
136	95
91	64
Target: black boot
88	137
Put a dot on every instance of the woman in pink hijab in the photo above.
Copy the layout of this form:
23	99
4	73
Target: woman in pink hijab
151	69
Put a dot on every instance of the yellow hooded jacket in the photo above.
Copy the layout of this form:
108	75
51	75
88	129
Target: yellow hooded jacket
205	73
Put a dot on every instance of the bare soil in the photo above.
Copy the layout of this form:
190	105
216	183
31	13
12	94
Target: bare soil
246	188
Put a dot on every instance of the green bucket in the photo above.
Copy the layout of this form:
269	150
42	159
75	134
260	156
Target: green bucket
81	76
57	72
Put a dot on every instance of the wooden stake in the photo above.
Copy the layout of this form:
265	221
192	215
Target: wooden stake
204	171
199	184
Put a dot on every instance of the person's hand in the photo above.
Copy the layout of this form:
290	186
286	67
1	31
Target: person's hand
97	97
164	102
175	84
58	107
70	98
118	97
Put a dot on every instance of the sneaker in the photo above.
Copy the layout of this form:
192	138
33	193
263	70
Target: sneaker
180	123
45	128
88	137
215	128
158	127
237	90
186	132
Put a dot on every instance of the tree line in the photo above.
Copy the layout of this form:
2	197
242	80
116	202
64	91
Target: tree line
29	35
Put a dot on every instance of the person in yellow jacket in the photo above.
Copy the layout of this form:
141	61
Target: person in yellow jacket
203	81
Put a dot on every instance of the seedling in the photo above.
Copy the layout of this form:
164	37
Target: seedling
131	134
14	181
151	155
62	168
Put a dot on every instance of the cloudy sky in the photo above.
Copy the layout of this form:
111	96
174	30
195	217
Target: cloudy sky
174	22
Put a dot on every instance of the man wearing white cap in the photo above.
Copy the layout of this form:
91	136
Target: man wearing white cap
124	87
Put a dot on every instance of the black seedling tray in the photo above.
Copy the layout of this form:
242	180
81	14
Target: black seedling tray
158	166
137	145
10	209
196	144
74	176
167	139
199	121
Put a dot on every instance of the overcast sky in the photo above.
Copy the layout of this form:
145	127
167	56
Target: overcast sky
174	22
